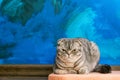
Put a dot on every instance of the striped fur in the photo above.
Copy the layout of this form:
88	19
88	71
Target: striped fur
76	56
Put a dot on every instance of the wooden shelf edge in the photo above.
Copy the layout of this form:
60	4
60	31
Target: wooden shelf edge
31	70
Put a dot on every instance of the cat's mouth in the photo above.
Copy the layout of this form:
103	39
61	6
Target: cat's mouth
70	60
65	60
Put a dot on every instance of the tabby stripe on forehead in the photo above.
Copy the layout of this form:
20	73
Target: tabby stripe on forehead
69	44
65	43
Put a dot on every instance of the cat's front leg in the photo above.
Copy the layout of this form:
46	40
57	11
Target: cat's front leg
83	70
60	71
71	71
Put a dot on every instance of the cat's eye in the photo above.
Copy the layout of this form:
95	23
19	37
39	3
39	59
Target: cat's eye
63	50
74	50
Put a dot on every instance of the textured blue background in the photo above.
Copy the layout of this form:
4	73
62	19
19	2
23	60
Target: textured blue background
29	29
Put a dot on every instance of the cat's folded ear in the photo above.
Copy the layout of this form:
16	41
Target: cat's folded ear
60	41
93	45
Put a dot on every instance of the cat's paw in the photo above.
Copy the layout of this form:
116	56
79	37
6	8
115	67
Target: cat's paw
83	70
72	71
60	71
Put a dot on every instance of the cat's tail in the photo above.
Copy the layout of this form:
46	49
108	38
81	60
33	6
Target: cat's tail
103	68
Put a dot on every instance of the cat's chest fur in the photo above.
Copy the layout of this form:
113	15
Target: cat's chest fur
68	65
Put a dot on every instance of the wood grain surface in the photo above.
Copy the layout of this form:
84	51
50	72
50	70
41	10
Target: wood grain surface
31	70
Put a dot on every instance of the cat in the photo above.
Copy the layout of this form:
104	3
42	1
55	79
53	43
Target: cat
78	56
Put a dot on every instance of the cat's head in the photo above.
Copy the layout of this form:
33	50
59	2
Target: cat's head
69	49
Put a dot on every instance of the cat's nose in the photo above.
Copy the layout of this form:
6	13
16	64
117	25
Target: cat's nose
69	56
69	52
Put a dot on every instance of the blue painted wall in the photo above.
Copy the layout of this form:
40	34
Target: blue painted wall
29	29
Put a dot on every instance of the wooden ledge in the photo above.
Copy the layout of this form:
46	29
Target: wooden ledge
25	70
31	70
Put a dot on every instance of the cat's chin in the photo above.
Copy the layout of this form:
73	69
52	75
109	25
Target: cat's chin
69	60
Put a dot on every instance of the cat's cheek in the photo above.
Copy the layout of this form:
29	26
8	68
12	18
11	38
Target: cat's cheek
59	54
78	54
65	55
71	56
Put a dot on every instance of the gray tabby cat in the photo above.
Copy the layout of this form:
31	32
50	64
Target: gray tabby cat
78	56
